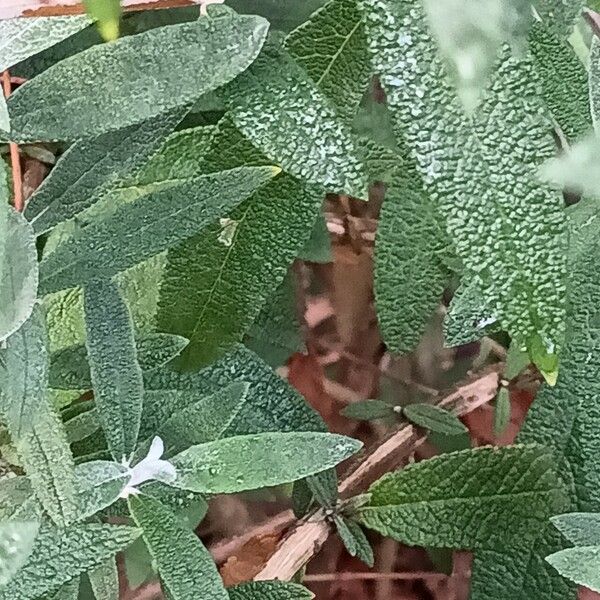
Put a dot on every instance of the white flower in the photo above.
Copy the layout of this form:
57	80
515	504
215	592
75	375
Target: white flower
150	468
205	3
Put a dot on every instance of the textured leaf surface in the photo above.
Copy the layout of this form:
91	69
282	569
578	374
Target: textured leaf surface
409	275
269	590
250	462
282	112
36	430
354	540
59	555
16	544
458	156
559	14
137	231
332	48
564	81
582	529
21	38
471	499
70	370
185	566
366	410
18	265
68	591
116	373
89	168
594	82
136	78
99	484
566	419
581	565
105	581
435	419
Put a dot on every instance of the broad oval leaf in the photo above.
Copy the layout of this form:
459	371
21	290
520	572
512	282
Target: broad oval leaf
136	231
21	38
185	566
115	85
16	544
482	498
250	462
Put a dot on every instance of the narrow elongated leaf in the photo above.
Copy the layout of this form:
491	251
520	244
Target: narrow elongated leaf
521	276
137	231
18	265
16	544
70	370
367	410
409	274
185	566
559	14
594	82
35	428
116	373
582	529
281	111
269	590
332	48
4	118
82	426
435	419
59	555
136	78
271	404
354	540
581	565
253	461
99	484
470	499
564	81
21	38
105	581
89	168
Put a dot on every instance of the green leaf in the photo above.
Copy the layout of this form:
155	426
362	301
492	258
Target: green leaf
70	370
581	565
434	418
21	38
368	410
502	410
281	111
82	426
116	373
332	48
318	246
470	35
284	15
99	484
185	566
59	555
237	275
564	81
137	231
107	14
271	404
483	498
204	421
582	529
89	170
68	591
104	580
354	540
594	82
269	590
516	361
324	488
18	265
14	491
135	78
409	275
521	277
16	544
4	117
559	14
261	460
35	428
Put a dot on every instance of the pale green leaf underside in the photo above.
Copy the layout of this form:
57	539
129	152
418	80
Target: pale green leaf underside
16	544
581	529
185	566
248	462
141	229
115	372
594	82
21	38
483	498
104	580
111	86
516	255
18	266
581	565
59	555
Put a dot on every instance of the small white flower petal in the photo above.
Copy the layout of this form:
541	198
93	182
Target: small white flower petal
157	449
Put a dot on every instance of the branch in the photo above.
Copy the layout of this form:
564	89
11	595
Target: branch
310	533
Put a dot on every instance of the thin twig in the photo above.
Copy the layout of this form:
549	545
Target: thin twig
310	533
15	158
363	576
